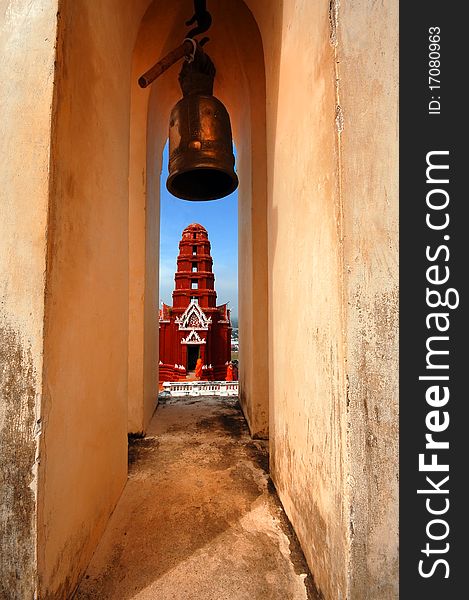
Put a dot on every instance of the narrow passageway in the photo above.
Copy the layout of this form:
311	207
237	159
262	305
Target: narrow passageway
199	518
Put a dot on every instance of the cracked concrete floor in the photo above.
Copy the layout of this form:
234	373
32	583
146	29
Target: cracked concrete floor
199	518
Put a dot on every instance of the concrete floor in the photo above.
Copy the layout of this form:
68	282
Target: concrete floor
199	518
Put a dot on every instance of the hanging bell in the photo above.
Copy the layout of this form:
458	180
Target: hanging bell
201	160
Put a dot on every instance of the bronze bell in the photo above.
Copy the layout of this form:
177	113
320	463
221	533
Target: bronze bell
201	160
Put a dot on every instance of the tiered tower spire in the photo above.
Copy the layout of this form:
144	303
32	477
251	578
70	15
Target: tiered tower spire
194	278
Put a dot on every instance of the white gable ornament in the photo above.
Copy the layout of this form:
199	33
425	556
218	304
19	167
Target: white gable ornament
193	318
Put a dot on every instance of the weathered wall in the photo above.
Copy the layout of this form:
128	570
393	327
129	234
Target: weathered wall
367	55
332	276
240	83
307	391
84	442
27	50
148	132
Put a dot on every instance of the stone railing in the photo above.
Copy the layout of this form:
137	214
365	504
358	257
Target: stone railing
201	388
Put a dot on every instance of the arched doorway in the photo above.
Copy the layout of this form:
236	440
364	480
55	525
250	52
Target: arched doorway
236	50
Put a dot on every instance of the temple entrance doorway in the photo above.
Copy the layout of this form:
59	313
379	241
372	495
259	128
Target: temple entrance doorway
192	356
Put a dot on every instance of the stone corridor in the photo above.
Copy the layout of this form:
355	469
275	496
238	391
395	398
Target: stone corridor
199	518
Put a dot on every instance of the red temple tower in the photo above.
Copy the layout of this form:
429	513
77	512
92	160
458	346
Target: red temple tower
194	327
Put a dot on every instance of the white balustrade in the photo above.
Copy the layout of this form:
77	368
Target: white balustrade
201	388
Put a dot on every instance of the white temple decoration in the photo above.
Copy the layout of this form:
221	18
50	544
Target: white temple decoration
193	318
193	338
200	388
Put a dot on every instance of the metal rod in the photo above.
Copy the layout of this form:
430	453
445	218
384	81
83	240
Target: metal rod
185	49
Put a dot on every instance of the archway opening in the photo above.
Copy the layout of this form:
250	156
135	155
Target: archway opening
198	264
236	50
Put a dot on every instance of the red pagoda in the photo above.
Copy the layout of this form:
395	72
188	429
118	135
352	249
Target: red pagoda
194	327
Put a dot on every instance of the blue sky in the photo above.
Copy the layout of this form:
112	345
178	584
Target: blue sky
220	219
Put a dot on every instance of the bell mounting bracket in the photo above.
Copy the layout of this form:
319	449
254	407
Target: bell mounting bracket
187	50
